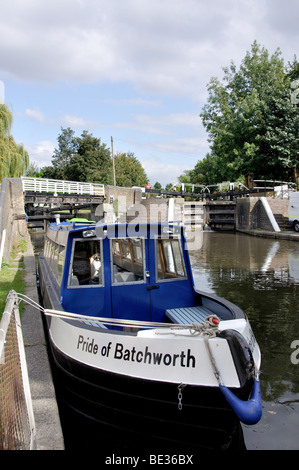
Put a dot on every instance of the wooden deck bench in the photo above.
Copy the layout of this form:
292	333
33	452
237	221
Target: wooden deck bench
188	315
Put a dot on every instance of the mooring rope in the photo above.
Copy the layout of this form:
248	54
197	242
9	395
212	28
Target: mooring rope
207	327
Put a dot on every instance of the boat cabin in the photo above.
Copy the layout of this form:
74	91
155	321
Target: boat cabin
120	271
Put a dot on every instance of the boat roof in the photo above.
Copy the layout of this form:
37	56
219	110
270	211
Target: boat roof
127	229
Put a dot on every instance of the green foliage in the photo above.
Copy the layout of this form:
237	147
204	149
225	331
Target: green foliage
12	274
67	147
85	158
252	124
128	170
14	159
33	170
185	177
81	158
92	162
207	171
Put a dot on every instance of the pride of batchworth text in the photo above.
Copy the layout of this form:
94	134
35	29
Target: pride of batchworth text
145	356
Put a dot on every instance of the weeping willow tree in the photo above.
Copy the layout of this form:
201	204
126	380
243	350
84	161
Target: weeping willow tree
14	159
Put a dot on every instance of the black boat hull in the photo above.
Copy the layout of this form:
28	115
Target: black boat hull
125	412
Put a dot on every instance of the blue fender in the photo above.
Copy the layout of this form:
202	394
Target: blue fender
250	411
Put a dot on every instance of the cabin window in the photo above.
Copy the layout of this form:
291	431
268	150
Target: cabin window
55	255
127	260
60	265
86	267
170	263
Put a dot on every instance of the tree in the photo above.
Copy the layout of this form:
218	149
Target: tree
92	161
128	170
67	148
85	158
81	158
14	159
33	170
251	122
185	177
207	171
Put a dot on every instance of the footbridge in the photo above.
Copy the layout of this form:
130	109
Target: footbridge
68	191
50	195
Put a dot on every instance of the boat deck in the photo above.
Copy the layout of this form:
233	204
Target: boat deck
188	315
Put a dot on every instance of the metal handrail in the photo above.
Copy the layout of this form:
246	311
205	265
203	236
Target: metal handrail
45	185
17	430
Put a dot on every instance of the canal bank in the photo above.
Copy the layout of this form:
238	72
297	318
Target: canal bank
49	434
13	229
290	235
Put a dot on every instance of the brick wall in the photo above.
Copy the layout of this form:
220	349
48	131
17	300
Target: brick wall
279	206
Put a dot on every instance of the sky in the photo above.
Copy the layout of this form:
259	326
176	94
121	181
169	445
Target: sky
133	70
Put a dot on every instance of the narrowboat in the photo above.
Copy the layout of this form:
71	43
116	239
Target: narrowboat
141	355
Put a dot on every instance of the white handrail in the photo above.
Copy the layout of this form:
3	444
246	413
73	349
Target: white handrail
44	185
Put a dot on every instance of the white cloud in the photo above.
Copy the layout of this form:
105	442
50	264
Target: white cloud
35	114
69	120
169	120
164	173
133	102
40	153
188	146
160	124
165	46
283	18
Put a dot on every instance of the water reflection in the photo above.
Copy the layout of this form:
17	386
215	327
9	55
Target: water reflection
262	277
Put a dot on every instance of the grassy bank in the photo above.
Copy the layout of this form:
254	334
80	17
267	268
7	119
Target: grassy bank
12	275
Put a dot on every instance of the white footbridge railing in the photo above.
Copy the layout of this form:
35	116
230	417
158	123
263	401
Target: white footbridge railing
43	185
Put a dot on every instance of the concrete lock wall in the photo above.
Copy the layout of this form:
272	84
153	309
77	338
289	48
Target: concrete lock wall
246	213
12	216
251	214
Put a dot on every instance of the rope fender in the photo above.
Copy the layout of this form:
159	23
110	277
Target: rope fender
250	411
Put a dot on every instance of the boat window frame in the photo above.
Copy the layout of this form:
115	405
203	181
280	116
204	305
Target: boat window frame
128	282
175	276
69	278
54	254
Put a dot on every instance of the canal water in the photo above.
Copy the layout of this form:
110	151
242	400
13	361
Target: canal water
262	277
